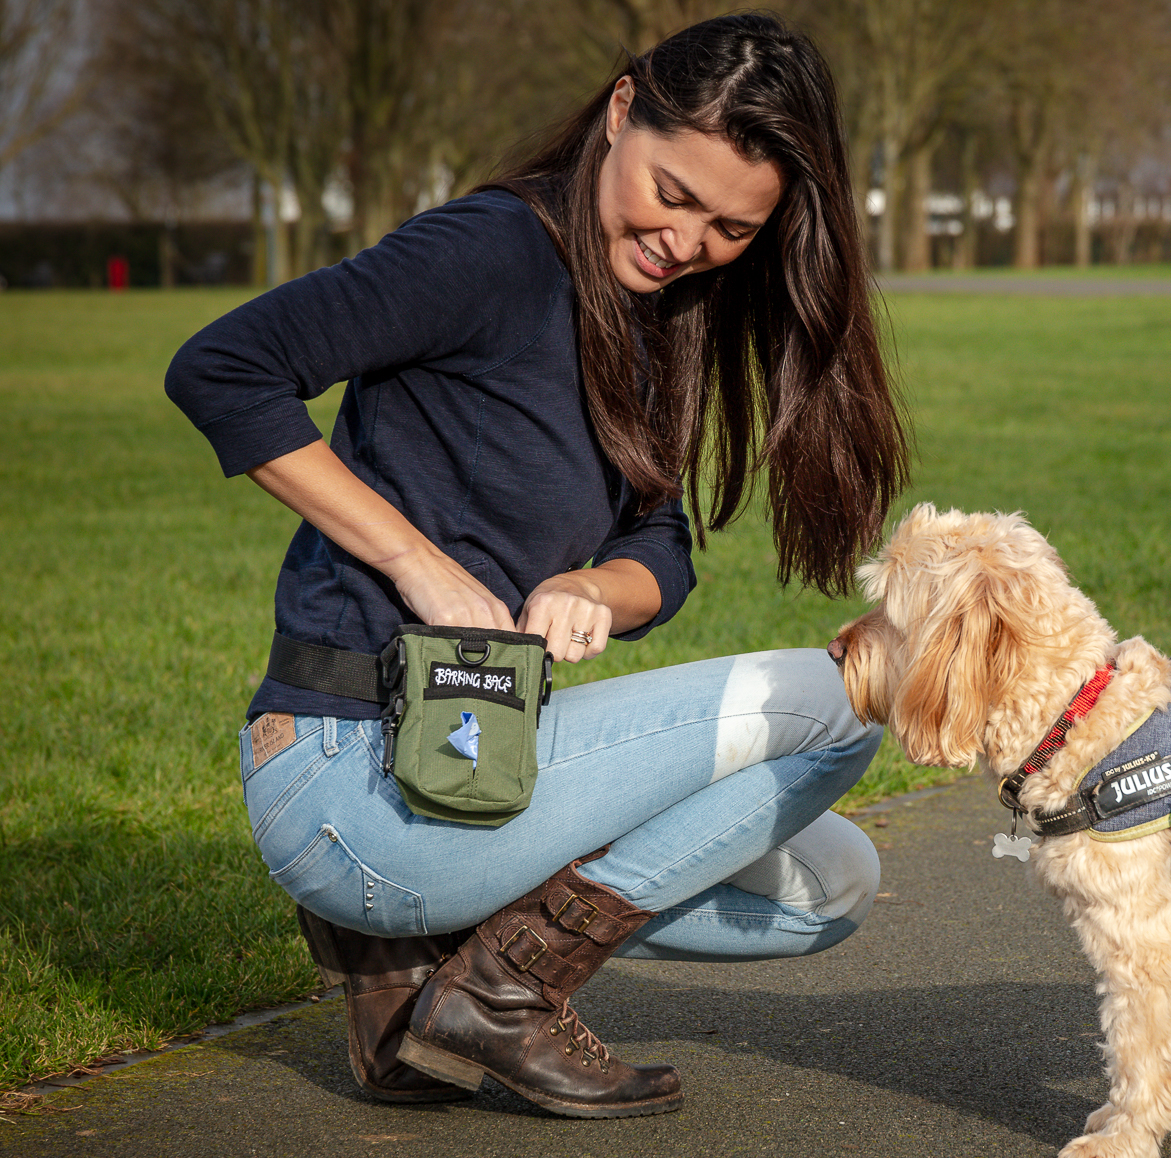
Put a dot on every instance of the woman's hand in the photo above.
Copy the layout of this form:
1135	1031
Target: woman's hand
619	595
440	592
564	606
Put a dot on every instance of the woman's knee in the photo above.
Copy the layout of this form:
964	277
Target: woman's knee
830	869
859	751
853	875
801	898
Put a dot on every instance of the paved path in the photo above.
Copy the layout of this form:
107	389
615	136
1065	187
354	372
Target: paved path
959	1022
1028	284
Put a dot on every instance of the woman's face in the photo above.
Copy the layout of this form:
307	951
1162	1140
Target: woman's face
676	204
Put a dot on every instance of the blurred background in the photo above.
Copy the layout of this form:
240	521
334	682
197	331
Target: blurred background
237	143
156	142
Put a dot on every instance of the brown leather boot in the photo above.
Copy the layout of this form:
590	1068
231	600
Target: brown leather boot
501	1006
382	979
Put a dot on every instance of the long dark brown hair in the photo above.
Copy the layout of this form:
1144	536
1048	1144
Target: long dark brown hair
768	363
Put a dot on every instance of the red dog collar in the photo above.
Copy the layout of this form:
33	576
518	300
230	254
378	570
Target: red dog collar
1078	707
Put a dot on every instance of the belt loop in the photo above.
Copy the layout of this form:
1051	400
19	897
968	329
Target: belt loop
329	736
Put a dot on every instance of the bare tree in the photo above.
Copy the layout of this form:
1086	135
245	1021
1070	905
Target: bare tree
405	101
1120	106
637	24
237	56
1031	66
902	65
151	113
386	52
38	88
1074	75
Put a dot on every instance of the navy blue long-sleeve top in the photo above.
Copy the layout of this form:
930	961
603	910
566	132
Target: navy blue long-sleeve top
463	407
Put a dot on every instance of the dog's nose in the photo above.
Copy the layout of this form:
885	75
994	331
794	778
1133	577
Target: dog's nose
837	651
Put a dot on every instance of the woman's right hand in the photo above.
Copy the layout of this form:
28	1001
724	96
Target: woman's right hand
441	593
316	484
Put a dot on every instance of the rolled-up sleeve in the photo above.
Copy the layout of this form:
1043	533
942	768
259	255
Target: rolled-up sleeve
661	542
240	393
438	286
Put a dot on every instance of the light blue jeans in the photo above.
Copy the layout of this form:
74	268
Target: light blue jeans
710	781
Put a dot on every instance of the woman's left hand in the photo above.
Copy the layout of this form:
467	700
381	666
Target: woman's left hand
564	607
618	595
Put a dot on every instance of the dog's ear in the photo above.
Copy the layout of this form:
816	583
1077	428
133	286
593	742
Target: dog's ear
960	656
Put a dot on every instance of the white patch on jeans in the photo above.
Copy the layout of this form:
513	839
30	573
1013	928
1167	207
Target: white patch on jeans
760	720
829	868
742	731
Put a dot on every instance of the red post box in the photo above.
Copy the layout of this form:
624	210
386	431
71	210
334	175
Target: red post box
117	272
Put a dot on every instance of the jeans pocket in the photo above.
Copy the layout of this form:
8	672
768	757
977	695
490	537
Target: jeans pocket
328	879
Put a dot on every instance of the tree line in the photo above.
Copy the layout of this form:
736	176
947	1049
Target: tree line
382	107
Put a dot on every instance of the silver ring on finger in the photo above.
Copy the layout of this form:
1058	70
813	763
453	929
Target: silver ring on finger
582	637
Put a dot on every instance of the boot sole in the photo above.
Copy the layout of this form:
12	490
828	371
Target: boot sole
449	1067
418	1097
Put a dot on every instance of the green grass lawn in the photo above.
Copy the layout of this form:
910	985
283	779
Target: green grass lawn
135	618
1152	271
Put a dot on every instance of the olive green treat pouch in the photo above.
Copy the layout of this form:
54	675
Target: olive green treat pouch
461	725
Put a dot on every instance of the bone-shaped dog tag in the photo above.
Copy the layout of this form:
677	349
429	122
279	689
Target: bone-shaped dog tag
1018	846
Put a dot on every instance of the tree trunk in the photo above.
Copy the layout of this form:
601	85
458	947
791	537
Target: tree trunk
965	252
167	256
359	185
1030	137
259	235
307	242
916	247
377	220
1026	208
1127	226
283	263
310	173
1083	188
887	222
861	154
276	234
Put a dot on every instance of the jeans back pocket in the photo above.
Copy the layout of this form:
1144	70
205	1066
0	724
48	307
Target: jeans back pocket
329	880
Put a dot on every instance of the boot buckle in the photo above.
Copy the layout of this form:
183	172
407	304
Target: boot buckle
537	955
587	918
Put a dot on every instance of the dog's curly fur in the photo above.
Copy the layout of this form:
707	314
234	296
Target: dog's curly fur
977	645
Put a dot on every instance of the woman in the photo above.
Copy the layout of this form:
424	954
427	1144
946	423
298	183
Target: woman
675	283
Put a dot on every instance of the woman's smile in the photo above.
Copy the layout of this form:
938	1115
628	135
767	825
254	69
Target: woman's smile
651	263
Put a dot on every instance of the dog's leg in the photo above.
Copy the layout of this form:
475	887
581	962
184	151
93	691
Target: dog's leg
1098	1119
1118	897
1135	1014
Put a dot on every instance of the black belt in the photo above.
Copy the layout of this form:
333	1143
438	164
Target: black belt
332	670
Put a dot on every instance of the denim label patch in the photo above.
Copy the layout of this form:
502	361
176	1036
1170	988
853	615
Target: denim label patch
454	676
1136	782
272	733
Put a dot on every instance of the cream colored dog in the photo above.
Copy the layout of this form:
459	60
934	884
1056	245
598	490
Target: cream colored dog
977	646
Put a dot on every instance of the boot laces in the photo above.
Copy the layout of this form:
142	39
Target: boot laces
580	1037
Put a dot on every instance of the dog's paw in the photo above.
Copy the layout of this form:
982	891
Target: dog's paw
1098	1119
1130	1144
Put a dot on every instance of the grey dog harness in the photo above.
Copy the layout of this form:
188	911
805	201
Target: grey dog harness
1124	796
